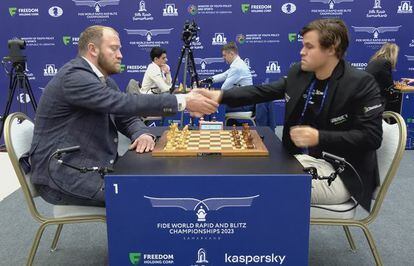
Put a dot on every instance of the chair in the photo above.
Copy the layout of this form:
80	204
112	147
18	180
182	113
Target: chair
249	115
389	156
18	133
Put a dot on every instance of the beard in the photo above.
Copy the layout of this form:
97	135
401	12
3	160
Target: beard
107	66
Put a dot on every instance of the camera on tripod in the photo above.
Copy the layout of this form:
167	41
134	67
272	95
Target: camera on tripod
190	31
16	57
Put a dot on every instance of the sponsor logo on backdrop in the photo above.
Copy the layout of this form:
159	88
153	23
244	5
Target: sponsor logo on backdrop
29	74
204	63
146	258
55	11
23	12
410	58
39	41
196	44
405	7
252	71
200	229
142	14
134	258
192	10
97	6
241	38
170	11
288	8
376	11
292	37
375	42
50	70
12	11
253	8
332	10
142	6
68	40
359	65
23	98
219	39
149	35
258	38
210	9
273	67
135	68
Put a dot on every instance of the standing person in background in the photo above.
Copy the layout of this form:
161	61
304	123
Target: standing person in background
157	77
381	65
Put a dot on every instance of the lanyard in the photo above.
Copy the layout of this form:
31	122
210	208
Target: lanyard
309	98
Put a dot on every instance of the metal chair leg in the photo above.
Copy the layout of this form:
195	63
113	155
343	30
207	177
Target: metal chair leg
349	237
56	238
372	245
35	244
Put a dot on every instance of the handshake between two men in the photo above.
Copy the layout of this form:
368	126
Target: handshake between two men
202	102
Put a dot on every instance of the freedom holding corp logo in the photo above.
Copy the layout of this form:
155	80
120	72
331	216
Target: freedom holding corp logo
160	259
134	257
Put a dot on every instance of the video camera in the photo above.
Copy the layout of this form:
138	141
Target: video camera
16	56
190	31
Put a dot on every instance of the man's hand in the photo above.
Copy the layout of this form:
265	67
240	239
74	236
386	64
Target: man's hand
143	143
165	69
407	80
199	105
304	136
215	95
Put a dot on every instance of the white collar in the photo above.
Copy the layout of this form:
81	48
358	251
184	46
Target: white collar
235	59
94	68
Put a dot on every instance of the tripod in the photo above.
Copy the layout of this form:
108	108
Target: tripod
188	56
18	79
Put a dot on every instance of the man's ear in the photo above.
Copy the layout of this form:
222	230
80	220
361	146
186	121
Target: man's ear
93	50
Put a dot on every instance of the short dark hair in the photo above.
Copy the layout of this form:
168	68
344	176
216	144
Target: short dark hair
332	32
92	34
231	46
156	52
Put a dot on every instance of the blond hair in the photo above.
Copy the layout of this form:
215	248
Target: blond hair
92	34
388	51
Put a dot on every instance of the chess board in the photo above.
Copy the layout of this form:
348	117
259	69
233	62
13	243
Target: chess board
403	87
208	142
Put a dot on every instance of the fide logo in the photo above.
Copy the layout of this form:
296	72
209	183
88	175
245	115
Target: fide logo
55	11
170	10
288	8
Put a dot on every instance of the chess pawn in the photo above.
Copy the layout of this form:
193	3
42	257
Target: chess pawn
181	88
